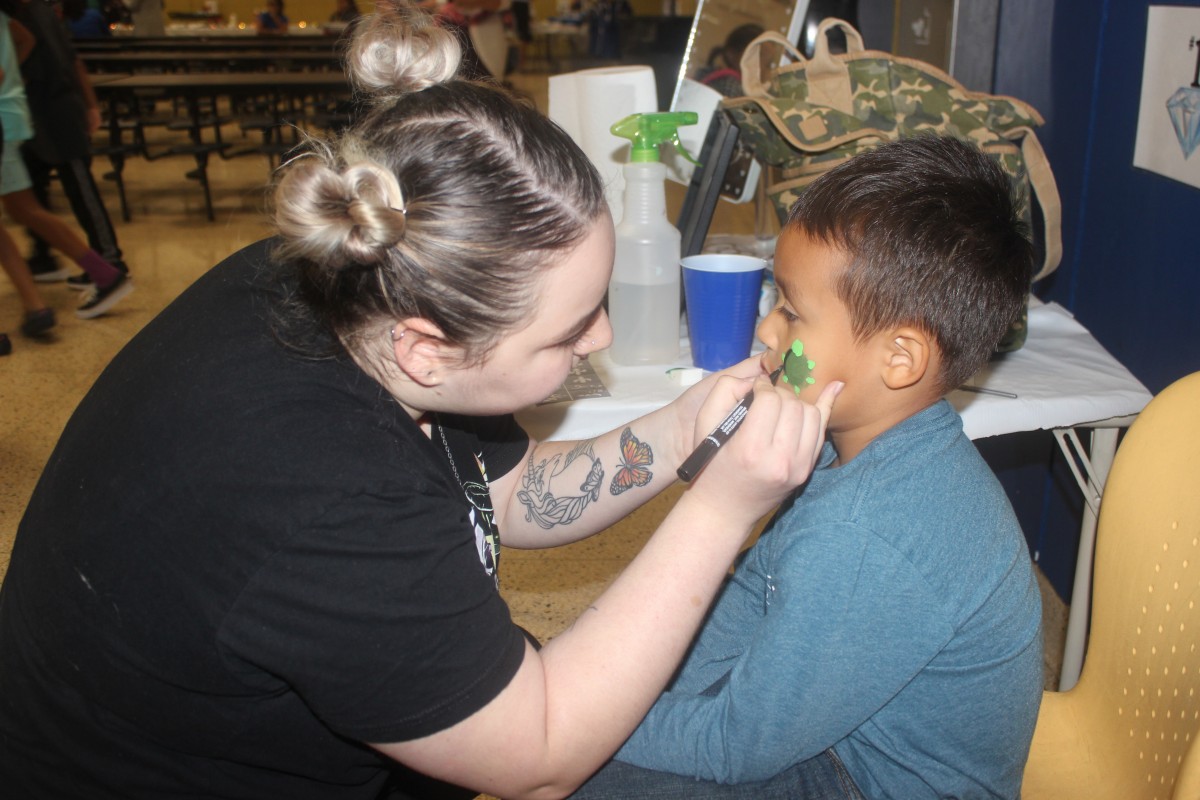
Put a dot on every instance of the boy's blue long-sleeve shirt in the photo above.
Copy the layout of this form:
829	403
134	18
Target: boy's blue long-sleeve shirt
889	612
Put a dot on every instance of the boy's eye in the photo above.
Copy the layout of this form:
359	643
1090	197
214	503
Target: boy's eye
787	315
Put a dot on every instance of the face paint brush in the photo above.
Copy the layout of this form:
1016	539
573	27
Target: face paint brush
712	443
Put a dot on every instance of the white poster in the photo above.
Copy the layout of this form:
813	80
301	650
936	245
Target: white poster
1168	132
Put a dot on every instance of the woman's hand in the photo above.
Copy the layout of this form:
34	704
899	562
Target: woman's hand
772	452
687	406
572	703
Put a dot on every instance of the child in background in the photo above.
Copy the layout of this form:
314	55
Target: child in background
85	21
39	318
272	21
882	638
14	118
723	70
345	11
479	25
64	114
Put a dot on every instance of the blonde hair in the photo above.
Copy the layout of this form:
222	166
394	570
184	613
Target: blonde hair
405	51
367	219
444	201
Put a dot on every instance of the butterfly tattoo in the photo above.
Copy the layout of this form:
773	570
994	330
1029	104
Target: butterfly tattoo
636	456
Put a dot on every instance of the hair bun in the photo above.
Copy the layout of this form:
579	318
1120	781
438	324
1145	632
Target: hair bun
400	49
352	217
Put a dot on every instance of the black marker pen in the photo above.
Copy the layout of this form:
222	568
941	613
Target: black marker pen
708	448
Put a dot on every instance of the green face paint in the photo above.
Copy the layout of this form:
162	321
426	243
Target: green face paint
797	370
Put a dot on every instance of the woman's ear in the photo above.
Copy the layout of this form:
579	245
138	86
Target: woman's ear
421	350
908	357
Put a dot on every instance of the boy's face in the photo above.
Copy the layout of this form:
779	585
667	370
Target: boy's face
888	375
809	311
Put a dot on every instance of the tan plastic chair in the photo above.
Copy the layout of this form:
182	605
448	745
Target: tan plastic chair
1128	729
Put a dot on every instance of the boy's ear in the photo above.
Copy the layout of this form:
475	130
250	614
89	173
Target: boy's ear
908	357
421	350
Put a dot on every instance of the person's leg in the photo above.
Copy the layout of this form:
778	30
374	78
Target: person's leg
18	272
42	263
822	777
39	318
110	284
89	210
24	207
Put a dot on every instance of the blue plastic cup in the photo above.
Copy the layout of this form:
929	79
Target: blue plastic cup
722	291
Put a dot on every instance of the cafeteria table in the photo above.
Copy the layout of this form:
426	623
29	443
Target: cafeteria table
121	92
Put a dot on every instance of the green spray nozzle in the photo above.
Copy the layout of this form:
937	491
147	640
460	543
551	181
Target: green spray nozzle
648	131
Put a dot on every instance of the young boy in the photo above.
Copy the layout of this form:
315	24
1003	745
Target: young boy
883	636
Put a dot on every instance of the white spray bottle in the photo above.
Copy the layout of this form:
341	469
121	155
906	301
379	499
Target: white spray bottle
643	295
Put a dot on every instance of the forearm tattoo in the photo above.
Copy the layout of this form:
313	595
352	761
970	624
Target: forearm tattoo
538	484
541	504
633	469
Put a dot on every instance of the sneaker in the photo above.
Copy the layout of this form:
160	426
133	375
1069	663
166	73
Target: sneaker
5	344
46	269
84	281
79	282
99	301
38	322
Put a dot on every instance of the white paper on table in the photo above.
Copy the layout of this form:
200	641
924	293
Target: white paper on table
1062	378
587	103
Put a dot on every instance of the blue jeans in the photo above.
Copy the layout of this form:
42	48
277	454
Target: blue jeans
821	777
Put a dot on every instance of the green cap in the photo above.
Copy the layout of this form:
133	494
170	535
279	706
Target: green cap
648	131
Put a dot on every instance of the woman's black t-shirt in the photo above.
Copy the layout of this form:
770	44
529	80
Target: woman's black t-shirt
240	564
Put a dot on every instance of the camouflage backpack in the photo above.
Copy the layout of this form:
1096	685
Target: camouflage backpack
814	114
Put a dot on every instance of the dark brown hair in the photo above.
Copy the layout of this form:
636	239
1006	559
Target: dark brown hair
933	238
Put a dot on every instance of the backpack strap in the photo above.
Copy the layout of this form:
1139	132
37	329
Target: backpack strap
828	75
753	81
1041	181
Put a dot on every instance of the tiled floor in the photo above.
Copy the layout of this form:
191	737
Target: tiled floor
168	244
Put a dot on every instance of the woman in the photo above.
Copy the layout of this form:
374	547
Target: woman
262	560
